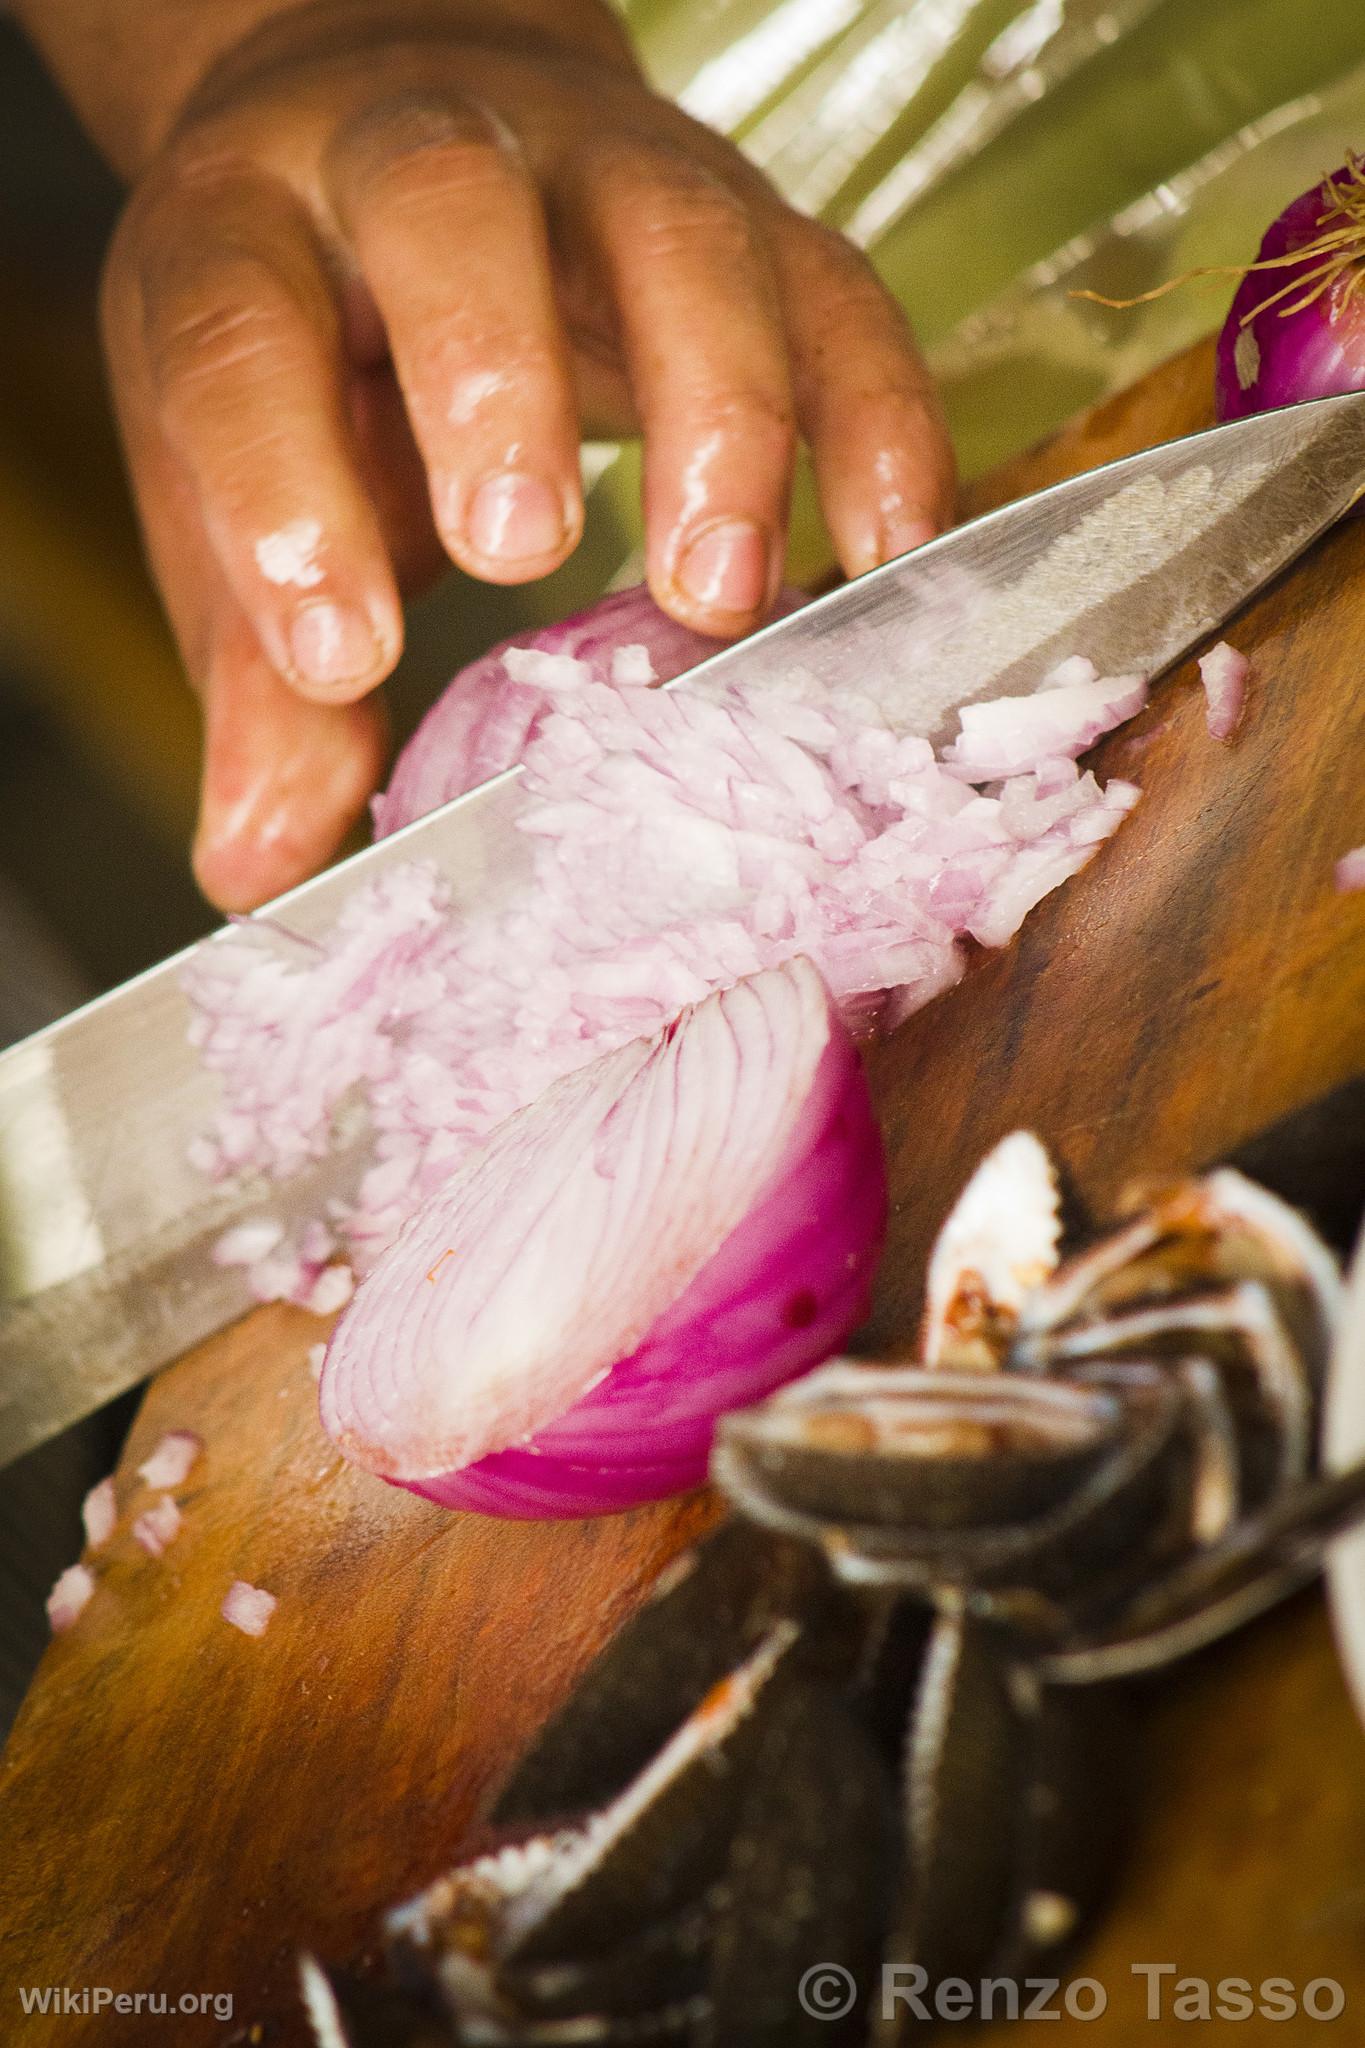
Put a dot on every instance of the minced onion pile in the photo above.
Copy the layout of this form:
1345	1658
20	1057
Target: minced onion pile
683	843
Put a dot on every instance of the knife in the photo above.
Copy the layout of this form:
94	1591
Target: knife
106	1230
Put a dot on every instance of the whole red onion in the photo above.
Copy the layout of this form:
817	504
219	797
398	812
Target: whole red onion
1296	329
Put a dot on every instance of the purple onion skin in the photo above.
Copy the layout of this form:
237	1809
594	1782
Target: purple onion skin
780	1296
517	1486
1310	354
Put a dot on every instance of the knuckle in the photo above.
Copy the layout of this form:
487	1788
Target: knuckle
207	321
688	215
207	163
676	205
201	175
526	371
215	258
850	287
853	332
748	414
417	152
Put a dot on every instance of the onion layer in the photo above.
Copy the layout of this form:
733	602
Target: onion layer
172	1461
663	1235
1014	735
158	1527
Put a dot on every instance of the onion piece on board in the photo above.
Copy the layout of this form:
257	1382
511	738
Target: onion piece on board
99	1513
248	1607
1012	735
1224	674
1350	871
158	1526
68	1597
663	1235
172	1460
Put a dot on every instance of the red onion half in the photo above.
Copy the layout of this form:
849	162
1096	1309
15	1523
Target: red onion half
1296	328
665	1234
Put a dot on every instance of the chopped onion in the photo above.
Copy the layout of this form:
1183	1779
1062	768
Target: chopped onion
485	721
1224	673
69	1596
246	1244
1350	870
171	1462
665	1234
99	1513
1037	866
299	1269
1012	735
248	1607
679	841
157	1528
331	1290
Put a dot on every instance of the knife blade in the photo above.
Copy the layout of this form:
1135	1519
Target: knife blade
106	1230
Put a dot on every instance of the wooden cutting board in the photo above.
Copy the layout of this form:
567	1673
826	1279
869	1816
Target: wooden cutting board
181	1808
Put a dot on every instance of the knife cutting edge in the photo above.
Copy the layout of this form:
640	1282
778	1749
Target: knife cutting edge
106	1230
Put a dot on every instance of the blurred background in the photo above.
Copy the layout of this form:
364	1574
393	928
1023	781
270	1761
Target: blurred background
992	155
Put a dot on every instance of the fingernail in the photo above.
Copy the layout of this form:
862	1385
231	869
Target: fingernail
725	567
516	516
331	645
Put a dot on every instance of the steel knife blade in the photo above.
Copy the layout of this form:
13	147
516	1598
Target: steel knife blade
106	1230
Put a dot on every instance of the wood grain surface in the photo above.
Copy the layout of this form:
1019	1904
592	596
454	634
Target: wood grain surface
182	1807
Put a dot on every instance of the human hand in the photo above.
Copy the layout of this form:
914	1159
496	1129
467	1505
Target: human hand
383	271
